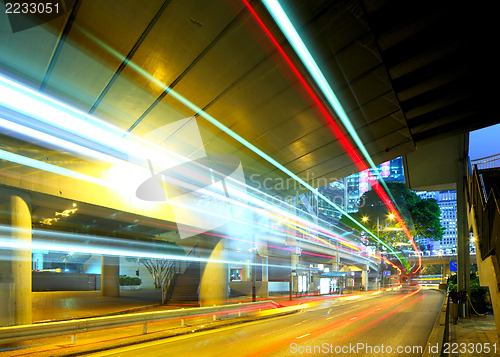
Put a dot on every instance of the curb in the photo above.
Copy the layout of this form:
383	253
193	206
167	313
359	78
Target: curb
438	331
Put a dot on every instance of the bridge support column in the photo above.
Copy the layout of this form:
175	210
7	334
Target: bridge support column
294	284
364	278
265	268
38	259
246	271
15	270
463	252
214	277
263	252
110	270
446	272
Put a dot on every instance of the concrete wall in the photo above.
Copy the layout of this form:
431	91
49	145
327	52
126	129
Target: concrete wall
244	288
47	281
278	287
489	272
128	267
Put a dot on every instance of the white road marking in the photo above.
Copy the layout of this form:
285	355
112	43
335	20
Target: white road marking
307	334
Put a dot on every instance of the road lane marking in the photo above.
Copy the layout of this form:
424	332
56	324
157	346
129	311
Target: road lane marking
166	340
307	334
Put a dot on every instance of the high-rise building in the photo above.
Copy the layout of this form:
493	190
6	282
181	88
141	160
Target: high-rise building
447	202
358	184
347	191
353	193
336	193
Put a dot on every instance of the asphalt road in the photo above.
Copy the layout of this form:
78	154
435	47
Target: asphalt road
395	323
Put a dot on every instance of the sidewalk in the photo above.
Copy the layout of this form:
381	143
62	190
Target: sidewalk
478	331
63	305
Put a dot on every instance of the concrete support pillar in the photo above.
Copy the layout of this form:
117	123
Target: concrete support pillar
246	271
463	254
446	272
110	270
214	279
336	266
15	270
265	268
294	261
263	252
364	278
38	259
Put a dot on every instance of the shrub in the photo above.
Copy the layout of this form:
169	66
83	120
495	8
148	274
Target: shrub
478	294
129	280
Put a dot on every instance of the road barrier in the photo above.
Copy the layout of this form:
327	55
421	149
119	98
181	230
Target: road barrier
73	327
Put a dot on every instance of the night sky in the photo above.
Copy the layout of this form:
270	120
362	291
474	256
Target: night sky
484	142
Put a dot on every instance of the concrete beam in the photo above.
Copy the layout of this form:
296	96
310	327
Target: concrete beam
121	198
433	167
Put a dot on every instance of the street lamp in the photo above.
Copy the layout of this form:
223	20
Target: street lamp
390	216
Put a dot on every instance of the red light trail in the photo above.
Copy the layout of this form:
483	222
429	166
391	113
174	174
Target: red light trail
351	151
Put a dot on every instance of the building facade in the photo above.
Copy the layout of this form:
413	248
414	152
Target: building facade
447	202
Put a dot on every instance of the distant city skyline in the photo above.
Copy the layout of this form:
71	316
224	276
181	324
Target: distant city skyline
482	143
347	192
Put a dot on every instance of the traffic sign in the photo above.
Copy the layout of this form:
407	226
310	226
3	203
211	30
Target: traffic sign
453	265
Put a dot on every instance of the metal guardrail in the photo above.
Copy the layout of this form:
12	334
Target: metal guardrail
72	327
488	162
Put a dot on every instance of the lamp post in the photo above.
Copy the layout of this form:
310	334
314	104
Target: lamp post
254	275
390	216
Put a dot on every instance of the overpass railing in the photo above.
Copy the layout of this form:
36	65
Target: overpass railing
486	211
488	162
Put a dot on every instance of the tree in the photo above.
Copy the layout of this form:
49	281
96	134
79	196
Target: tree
435	269
162	270
426	219
163	273
422	217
